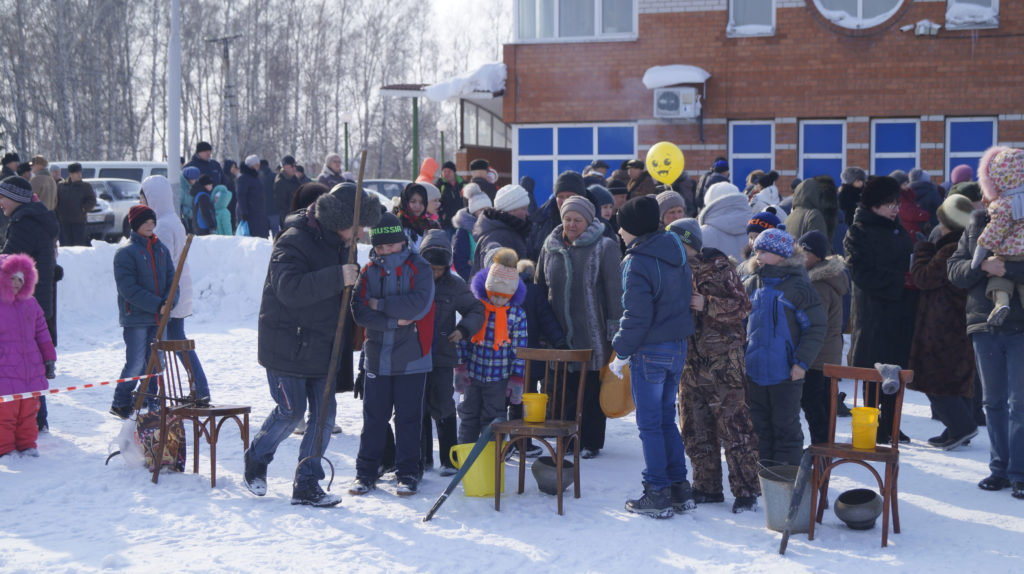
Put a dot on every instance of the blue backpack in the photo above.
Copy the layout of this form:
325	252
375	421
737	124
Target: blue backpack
770	346
197	213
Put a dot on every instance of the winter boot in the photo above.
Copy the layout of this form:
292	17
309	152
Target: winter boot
360	487
841	409
744	504
701	497
255	476
313	495
656	503
1018	490
682	497
993	482
121	412
301	428
447	437
407	486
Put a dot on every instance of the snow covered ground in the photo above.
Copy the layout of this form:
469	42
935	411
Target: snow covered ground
67	512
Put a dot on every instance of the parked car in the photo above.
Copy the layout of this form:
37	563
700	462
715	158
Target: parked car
99	220
390	188
121	194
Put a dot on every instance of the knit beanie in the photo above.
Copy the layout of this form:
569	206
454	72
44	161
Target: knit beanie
432	191
879	190
335	213
775	241
580	205
478	164
570	181
17	188
510	198
138	215
917	174
640	215
794	183
387	230
763	220
669	199
720	166
503	276
815	242
435	248
600	195
900	176
852	174
475	197
617	187
718	190
689	232
190	173
955	212
1001	169
969	189
203	146
961	173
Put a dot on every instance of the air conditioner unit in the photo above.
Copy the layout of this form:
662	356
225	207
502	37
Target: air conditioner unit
676	103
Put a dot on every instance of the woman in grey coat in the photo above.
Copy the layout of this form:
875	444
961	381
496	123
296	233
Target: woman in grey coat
580	269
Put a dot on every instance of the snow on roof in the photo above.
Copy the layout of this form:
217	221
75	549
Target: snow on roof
661	76
963	15
844	19
489	78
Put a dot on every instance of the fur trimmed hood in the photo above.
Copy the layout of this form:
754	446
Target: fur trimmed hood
833	272
11	264
480	291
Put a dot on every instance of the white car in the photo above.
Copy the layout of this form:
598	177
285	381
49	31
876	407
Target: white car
99	219
121	194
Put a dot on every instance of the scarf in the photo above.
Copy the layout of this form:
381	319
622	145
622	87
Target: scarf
500	325
420	224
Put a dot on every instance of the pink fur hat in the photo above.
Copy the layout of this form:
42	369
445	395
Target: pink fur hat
10	265
1000	169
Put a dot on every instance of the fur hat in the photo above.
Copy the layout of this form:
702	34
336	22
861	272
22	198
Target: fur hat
17	188
252	161
203	146
917	174
961	173
77	168
478	164
764	220
511	197
17	264
570	181
528	268
1001	169
852	174
815	242
718	190
955	212
879	190
688	231
669	199
10	157
640	215
190	173
580	205
476	199
503	275
775	241
387	230
140	214
335	213
969	189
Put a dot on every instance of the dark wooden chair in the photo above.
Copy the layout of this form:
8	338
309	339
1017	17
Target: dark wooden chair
827	456
178	398
559	425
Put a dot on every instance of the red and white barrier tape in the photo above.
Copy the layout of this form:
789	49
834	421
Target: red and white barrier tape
19	396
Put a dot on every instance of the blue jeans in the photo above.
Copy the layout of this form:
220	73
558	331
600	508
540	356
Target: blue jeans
176	332
136	354
655	371
291	395
1000	358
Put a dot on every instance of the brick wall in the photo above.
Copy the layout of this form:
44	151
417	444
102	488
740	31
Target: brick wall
809	69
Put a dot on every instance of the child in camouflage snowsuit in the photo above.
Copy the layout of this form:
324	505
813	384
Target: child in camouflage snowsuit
712	404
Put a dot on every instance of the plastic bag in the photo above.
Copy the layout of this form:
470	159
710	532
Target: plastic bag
243	229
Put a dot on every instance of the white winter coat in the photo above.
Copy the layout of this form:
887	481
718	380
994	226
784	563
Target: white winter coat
171	233
723	224
764	198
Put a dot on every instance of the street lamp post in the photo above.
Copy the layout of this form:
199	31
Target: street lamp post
346	117
440	127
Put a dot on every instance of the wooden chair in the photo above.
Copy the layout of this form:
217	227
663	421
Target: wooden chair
178	398
827	456
559	425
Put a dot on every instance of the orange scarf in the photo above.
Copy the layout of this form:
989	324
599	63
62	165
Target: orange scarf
500	325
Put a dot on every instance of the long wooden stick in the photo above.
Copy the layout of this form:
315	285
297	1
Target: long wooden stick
339	331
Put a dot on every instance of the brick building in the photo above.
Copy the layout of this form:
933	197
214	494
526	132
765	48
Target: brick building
800	86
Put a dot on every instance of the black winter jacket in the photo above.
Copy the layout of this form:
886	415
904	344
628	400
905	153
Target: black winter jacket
496	229
33	231
250	205
975	280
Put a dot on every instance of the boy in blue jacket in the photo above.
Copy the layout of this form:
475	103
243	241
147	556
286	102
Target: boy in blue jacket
655	324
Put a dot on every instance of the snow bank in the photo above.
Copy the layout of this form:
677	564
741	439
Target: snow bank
488	78
661	76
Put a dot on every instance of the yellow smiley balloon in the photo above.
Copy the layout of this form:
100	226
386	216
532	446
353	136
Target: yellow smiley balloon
665	162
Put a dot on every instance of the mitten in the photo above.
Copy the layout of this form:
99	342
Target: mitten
357	386
890	377
461	379
514	391
51	369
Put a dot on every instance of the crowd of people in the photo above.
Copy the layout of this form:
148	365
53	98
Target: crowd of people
725	304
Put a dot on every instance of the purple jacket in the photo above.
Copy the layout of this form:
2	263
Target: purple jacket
24	339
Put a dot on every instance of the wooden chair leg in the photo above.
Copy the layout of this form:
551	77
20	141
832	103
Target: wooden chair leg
521	446
245	430
559	460
886	501
196	434
214	435
576	471
894	492
815	471
499	459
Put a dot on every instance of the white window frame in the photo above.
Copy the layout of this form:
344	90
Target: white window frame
770	155
980	26
884	155
855	23
597	37
801	154
555	156
951	155
730	29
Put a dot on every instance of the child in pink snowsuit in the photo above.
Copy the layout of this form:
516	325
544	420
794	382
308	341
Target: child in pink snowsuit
27	355
1001	175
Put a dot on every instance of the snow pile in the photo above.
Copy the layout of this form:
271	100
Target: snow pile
750	29
845	19
661	76
964	15
489	78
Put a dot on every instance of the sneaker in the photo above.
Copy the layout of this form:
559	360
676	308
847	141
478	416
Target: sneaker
938	441
448	470
255	476
682	497
744	504
701	497
656	503
589	453
841	409
534	450
1018	489
953	442
407	486
360	487
301	428
30	452
998	315
313	495
121	412
993	482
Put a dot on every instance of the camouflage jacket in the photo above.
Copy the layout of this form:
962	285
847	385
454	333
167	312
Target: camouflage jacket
720	325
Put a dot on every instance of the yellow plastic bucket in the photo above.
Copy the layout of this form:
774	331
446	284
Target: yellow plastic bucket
479	479
534	405
865	427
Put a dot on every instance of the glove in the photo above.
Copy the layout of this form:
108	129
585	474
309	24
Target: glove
617	364
514	391
51	369
461	379
357	386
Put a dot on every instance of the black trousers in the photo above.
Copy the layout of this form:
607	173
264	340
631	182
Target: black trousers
384	395
815	403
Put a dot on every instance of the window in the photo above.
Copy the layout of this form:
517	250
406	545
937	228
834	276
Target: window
543	152
966	141
895	144
481	127
822	148
575	20
751	18
122	172
751	147
858	14
971	14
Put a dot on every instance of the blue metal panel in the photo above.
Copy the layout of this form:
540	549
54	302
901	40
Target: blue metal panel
575	141
756	138
616	140
886	165
813	167
955	161
823	138
970	136
895	138
542	172
576	165
536	141
741	168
